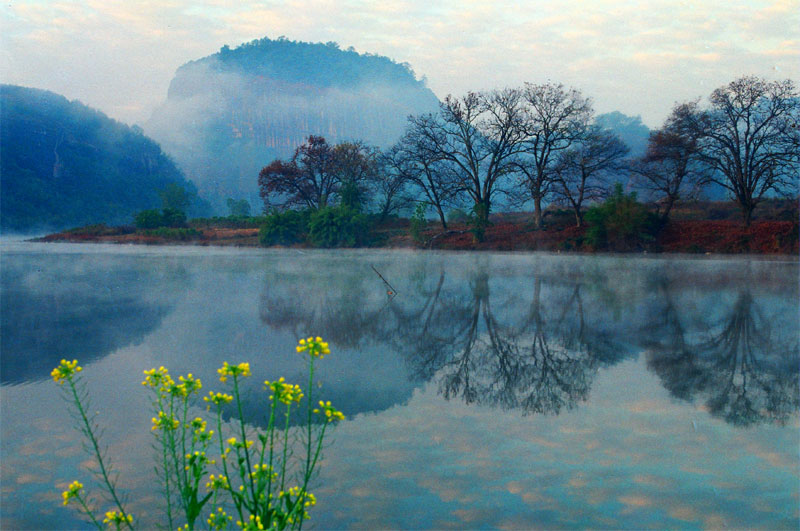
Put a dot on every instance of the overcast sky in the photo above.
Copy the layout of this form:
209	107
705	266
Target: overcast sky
638	57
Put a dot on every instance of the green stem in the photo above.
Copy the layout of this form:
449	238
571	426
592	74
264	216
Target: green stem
222	456
87	511
90	433
244	440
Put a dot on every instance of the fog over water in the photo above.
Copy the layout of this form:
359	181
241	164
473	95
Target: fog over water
494	389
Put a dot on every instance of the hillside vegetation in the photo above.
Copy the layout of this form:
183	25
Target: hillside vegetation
64	164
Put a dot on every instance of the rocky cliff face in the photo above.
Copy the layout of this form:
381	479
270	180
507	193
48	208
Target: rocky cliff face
231	113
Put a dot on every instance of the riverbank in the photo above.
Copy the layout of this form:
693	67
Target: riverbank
506	233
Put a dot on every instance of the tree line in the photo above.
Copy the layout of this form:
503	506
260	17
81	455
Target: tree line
539	144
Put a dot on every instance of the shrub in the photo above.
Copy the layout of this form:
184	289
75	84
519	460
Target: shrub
338	226
262	477
148	219
478	222
172	217
284	228
457	215
620	223
418	222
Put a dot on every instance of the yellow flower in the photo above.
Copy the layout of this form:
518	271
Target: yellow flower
217	398
286	393
331	413
158	378
73	491
217	482
190	384
117	518
315	347
242	369
219	519
164	421
198	425
65	371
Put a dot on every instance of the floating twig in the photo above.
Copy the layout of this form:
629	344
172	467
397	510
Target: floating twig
392	292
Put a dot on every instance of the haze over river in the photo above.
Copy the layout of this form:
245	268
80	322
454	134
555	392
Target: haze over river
492	391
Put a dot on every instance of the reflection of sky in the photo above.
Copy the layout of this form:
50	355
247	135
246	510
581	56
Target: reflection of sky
628	456
631	457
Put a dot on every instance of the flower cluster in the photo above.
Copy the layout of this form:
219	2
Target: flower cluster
219	519
284	392
158	378
73	491
65	371
263	471
217	482
306	498
243	369
197	461
331	413
117	518
236	444
315	346
165	422
253	523
189	384
217	398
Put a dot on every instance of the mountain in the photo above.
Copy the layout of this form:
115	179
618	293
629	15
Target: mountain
229	114
63	164
629	129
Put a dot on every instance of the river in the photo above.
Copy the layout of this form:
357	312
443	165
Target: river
497	390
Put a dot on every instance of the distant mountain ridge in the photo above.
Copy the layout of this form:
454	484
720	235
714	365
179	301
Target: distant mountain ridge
229	114
64	164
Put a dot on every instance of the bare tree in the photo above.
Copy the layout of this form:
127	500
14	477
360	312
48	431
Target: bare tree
580	172
671	167
478	136
390	188
556	117
355	166
418	162
748	138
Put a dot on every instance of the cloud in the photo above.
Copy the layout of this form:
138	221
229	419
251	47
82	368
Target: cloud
636	57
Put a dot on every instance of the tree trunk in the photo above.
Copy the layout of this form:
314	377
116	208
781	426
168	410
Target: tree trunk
537	212
441	217
667	209
747	214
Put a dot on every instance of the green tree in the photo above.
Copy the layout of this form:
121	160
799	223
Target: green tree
175	196
148	219
239	209
621	223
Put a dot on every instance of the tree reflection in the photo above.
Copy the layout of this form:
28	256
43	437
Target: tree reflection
481	344
742	367
540	363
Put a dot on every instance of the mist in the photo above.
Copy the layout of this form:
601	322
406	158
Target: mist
221	123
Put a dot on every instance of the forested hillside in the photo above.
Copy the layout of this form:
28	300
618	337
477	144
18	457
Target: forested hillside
229	114
64	164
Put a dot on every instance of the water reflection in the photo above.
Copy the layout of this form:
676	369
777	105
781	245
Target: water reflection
53	309
493	391
742	367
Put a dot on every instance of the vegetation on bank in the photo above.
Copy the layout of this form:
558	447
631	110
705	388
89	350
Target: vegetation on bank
261	477
621	224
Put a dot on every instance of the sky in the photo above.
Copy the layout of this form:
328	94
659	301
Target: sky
637	57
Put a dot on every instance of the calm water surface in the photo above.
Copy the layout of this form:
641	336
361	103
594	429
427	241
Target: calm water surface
493	391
